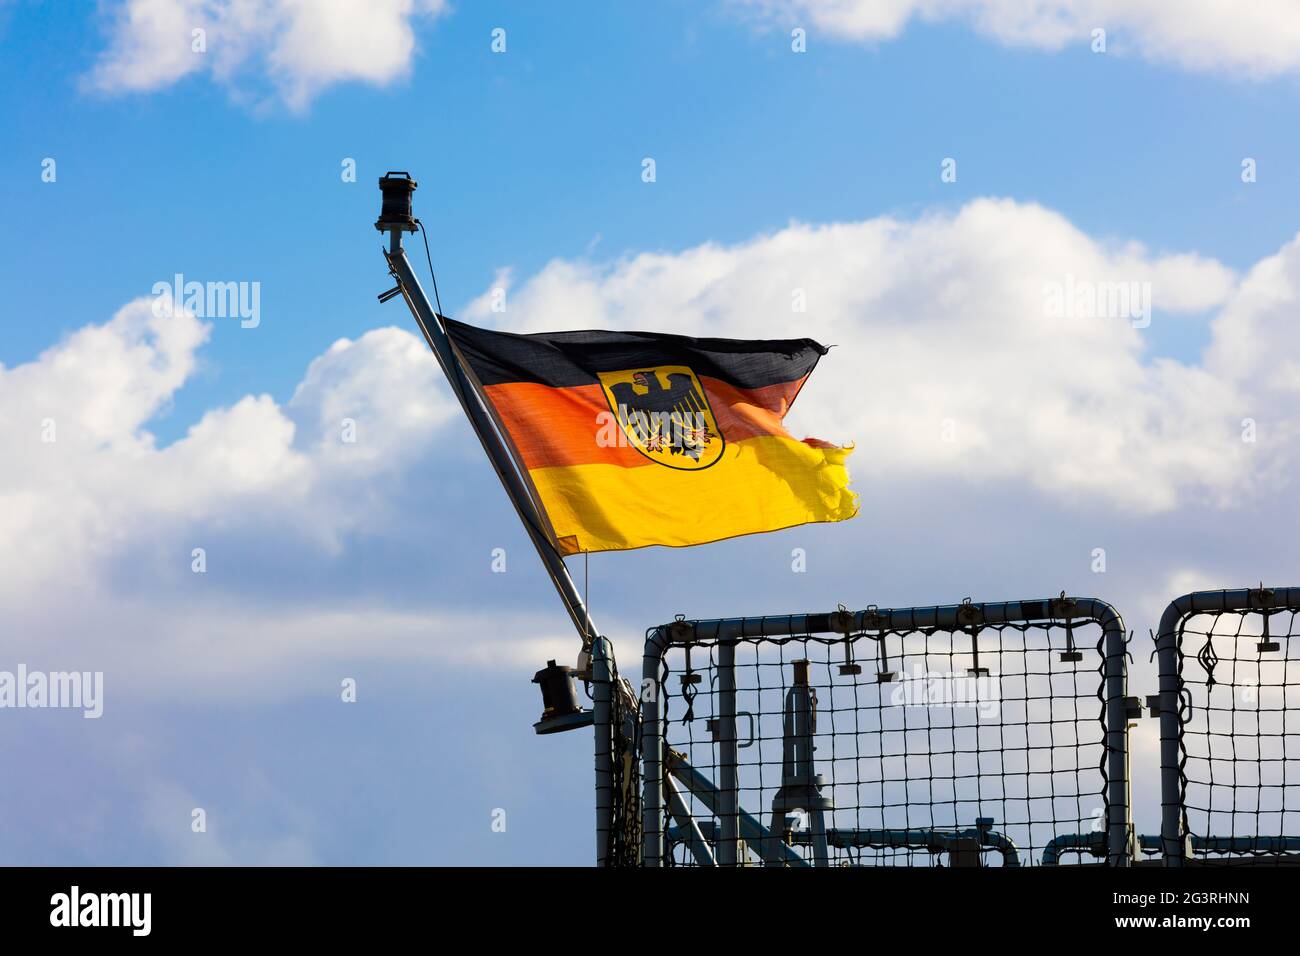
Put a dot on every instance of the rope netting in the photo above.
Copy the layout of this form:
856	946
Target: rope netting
909	747
1239	685
624	844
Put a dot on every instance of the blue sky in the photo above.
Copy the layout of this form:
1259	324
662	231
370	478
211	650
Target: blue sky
530	161
536	154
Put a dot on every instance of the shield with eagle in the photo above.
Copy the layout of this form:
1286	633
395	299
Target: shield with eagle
665	414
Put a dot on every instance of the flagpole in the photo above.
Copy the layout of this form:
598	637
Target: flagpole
395	218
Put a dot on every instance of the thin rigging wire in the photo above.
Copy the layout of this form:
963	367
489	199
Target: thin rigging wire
433	275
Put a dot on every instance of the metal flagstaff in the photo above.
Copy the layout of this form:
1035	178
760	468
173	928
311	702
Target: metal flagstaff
395	218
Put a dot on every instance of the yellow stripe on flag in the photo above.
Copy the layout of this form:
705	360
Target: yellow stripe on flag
764	483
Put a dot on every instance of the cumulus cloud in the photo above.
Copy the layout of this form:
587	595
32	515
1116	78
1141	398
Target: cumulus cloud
91	509
298	47
955	353
952	372
371	558
1260	39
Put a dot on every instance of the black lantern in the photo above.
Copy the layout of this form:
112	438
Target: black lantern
560	708
395	213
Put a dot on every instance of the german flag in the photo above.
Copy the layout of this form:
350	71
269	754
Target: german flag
634	438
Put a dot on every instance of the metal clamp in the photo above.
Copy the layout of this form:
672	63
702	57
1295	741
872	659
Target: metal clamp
715	728
841	620
680	631
972	616
1262	599
1065	608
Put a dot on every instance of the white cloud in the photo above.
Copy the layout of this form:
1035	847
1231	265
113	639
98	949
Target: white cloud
211	647
1259	39
330	559
299	47
322	551
102	513
946	321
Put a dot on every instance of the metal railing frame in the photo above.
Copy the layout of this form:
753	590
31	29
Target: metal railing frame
1173	835
727	632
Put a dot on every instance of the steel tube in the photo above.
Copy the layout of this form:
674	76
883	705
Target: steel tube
767	845
652	750
1173	838
728	756
917	839
602	690
427	318
1115	670
686	824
